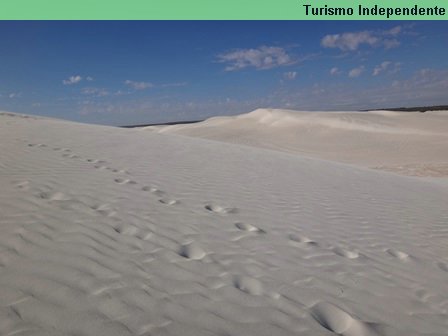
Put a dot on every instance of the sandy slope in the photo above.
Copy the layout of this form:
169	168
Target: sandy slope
108	231
410	143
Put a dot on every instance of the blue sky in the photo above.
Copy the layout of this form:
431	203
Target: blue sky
127	72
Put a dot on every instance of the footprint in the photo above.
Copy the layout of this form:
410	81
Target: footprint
301	239
443	266
117	229
398	254
335	319
100	167
249	228
153	190
168	201
104	209
192	251
124	181
41	145
24	185
95	161
54	196
70	156
422	294
144	234
248	285
148	188
115	170
128	230
346	253
31	145
219	209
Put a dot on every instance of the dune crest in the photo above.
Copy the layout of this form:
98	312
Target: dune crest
409	143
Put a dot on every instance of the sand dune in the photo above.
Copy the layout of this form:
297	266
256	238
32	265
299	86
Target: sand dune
410	143
108	231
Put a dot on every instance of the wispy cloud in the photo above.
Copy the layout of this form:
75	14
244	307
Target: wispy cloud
426	80
167	109
290	75
138	85
356	72
335	71
72	80
261	58
351	41
424	87
177	84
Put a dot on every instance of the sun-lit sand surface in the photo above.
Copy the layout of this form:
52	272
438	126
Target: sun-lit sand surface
108	231
409	143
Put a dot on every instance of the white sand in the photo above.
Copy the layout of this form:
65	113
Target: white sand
410	143
108	231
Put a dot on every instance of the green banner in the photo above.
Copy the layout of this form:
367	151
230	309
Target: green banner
223	10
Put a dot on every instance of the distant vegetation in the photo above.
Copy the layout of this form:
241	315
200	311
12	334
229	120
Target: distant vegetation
416	109
164	124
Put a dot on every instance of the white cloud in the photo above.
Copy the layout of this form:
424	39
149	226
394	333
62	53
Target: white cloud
89	79
394	31
380	68
356	72
14	95
121	93
138	85
335	71
390	40
260	58
290	75
390	43
351	41
97	92
72	80
386	66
